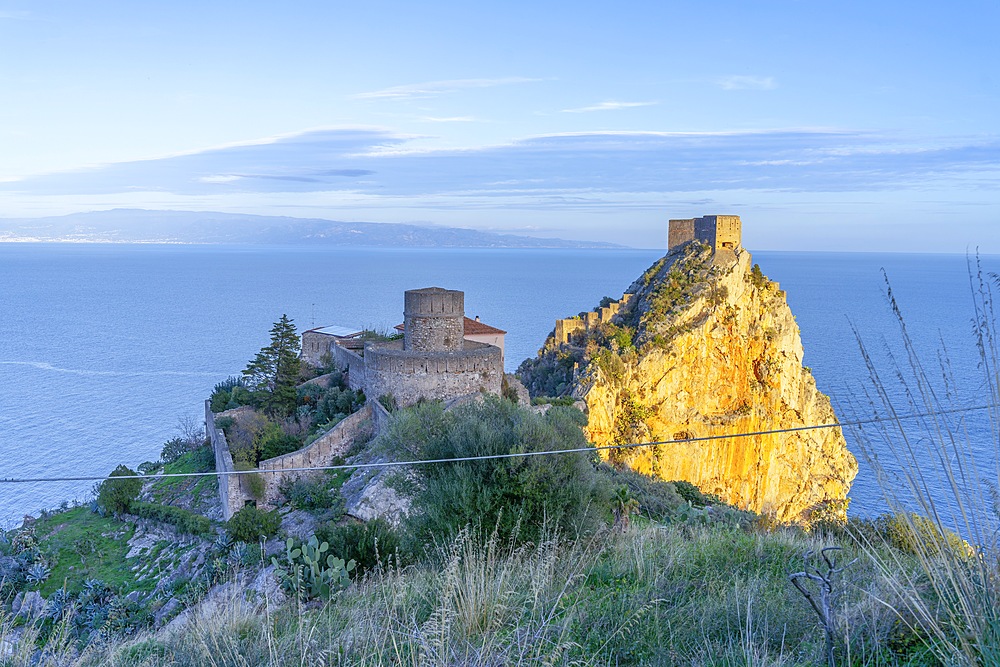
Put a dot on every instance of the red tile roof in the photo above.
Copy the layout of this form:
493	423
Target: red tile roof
472	328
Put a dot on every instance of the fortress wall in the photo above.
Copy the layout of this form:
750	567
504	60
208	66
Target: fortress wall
566	328
315	345
231	494
410	375
320	452
679	232
353	363
380	416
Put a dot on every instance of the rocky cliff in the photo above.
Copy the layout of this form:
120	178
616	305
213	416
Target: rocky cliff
705	345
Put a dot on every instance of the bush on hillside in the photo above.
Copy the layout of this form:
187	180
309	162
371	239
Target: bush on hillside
117	495
516	495
367	544
251	524
314	494
278	443
184	520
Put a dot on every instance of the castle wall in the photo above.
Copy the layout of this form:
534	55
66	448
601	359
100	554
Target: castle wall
410	375
352	362
231	493
719	231
496	340
433	319
321	452
315	345
566	328
680	232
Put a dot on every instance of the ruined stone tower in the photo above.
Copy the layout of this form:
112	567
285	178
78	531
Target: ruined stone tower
433	319
722	232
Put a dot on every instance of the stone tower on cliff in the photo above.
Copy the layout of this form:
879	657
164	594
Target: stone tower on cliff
721	232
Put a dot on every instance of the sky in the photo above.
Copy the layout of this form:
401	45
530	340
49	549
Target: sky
864	126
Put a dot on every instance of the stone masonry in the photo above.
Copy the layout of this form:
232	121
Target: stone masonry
433	361
722	232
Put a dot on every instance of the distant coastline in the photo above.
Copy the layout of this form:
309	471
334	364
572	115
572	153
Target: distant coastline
134	226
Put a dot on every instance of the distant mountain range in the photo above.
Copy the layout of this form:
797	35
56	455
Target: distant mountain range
142	226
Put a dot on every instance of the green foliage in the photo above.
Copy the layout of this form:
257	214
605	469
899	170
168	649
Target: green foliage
326	407
367	544
273	373
184	520
252	481
517	495
79	545
757	277
116	495
230	393
564	401
276	443
314	494
225	423
251	524
657	500
693	495
174	448
551	372
388	401
308	572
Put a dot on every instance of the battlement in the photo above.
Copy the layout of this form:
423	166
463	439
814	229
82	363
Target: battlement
566	328
722	232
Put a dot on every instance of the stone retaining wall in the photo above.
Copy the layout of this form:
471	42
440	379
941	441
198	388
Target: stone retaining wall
231	494
353	363
320	452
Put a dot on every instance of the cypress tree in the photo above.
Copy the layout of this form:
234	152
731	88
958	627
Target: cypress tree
273	373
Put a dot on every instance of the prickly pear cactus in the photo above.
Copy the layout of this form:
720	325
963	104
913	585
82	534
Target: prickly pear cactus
308	572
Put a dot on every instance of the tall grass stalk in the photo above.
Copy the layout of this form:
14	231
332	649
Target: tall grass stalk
952	597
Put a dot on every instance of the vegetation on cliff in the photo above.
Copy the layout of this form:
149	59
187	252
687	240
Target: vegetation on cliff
704	348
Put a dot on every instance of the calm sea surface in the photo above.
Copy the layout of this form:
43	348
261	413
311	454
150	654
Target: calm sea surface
104	348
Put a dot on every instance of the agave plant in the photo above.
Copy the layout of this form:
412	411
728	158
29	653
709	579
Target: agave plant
37	573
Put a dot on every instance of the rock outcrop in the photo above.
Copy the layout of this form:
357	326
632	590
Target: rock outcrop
705	345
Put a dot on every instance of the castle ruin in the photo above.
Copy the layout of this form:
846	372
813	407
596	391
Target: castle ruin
434	360
722	232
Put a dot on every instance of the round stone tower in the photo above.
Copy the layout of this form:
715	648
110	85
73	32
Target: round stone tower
433	319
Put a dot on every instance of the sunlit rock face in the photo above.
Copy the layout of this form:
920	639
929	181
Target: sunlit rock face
706	345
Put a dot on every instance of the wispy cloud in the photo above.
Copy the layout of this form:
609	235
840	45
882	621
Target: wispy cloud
610	106
595	169
219	178
14	14
740	82
449	119
435	88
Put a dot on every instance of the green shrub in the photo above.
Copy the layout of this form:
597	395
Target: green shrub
367	544
225	423
313	495
184	520
692	494
658	500
251	524
516	495
116	495
253	483
277	444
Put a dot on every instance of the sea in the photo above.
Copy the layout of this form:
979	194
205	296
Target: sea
107	350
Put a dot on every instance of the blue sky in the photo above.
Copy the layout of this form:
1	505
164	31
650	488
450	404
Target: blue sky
847	126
